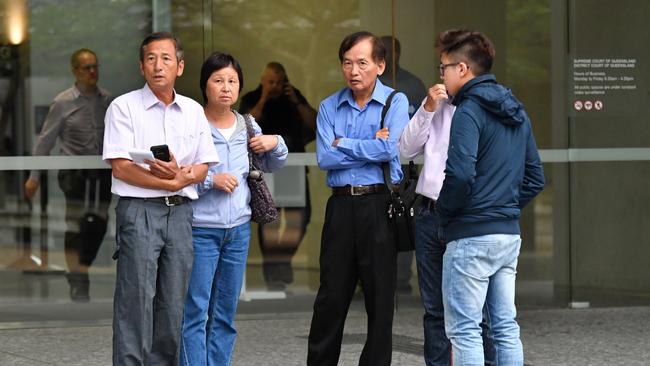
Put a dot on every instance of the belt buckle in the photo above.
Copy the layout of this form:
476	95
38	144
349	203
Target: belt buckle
356	193
169	204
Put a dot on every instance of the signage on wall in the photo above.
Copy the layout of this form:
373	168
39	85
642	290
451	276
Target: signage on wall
600	84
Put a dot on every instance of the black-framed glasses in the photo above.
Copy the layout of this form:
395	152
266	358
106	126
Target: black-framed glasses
442	67
87	68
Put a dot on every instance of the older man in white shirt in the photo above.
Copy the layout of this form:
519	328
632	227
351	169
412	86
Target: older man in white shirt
427	133
154	233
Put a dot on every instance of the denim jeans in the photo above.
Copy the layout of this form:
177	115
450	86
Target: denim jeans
429	250
215	283
477	272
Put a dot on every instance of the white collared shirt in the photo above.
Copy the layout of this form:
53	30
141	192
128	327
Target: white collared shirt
428	133
138	120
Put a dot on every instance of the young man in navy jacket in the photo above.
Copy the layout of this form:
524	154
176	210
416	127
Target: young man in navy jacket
493	170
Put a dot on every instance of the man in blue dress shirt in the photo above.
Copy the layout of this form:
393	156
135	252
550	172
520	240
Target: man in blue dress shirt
357	243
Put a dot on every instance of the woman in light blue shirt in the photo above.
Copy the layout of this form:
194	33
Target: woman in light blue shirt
221	225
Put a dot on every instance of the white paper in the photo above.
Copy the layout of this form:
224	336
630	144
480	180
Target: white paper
138	156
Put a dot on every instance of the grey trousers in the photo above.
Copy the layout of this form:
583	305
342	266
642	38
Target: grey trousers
153	268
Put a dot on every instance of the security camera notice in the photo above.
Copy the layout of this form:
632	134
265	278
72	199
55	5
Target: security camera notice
594	79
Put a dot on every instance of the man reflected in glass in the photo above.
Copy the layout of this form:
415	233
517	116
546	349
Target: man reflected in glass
280	109
76	121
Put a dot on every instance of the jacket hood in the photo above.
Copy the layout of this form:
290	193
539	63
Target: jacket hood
495	98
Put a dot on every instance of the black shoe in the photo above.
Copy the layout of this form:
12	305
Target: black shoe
276	285
79	286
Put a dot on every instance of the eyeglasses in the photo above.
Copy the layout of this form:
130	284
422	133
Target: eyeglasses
442	67
87	68
361	64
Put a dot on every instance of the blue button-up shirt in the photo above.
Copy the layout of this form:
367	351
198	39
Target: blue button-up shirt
357	158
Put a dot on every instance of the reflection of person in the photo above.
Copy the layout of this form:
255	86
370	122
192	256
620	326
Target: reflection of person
281	109
415	91
405	81
154	219
493	170
357	242
76	120
221	228
428	134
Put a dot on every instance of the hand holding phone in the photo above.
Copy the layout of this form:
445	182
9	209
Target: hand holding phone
290	92
161	152
164	166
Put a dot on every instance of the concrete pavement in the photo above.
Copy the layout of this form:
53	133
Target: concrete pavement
605	336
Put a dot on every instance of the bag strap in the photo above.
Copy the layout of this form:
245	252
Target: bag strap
386	165
250	133
87	188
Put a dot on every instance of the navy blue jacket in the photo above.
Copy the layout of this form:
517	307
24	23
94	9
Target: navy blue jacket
493	167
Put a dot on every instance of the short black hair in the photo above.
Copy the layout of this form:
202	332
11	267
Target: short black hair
278	69
216	62
159	36
388	40
74	59
378	49
464	45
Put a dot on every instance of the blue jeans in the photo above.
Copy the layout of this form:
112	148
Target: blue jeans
477	272
429	250
215	283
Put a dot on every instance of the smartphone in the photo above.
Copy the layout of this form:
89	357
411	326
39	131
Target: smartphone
161	152
285	83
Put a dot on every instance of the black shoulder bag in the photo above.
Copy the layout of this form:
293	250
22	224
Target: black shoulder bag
401	213
92	226
263	209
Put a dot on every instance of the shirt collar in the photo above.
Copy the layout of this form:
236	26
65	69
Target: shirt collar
149	99
76	93
379	94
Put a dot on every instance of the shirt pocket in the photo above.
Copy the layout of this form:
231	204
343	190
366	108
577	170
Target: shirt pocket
184	149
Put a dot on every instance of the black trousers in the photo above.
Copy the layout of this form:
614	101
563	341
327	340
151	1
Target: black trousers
278	251
356	245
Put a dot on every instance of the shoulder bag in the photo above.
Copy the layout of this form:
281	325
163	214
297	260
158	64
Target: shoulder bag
263	210
401	212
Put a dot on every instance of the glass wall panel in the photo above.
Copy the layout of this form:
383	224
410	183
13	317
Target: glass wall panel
608	72
37	39
33	259
521	33
584	85
303	36
609	233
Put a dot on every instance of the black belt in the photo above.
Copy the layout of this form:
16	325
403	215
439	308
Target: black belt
359	190
428	203
167	200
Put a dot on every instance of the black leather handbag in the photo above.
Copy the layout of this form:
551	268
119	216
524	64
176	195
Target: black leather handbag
401	211
263	210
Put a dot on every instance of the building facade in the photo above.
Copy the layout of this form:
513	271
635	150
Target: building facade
581	67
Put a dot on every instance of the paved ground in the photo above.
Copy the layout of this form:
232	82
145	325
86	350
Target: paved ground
608	336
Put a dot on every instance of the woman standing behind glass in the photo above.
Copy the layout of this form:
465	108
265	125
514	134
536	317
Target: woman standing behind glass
221	226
